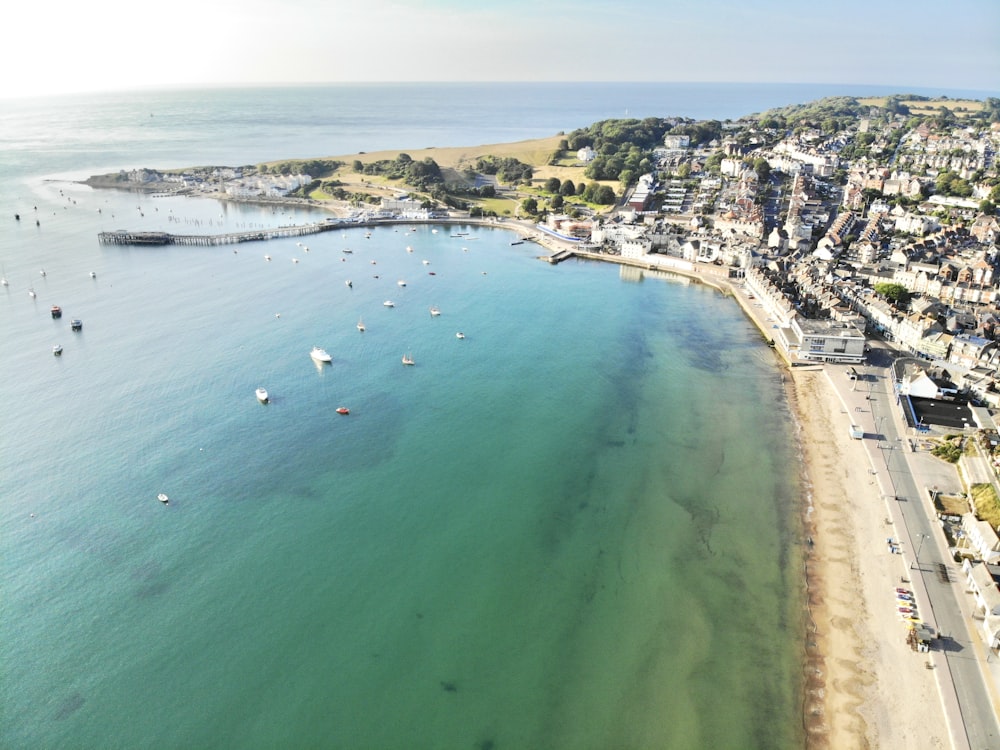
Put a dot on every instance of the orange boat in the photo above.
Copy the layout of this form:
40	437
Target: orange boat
343	410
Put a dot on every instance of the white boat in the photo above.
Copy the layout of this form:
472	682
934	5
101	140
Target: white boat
295	260
31	292
347	250
162	497
388	303
435	312
262	395
267	257
320	355
426	262
348	283
401	283
57	349
93	275
409	249
459	335
407	359
361	325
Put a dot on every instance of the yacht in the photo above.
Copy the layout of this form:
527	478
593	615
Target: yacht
435	312
407	359
162	497
57	350
262	395
76	324
459	335
388	303
401	283
56	311
343	410
320	355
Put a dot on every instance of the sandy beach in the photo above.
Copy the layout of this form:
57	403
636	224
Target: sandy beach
866	688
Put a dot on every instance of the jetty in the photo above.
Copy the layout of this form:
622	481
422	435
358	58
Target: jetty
127	237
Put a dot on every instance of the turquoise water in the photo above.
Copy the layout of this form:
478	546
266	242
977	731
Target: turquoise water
574	528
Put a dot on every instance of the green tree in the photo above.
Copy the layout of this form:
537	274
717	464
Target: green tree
604	195
552	185
567	188
556	202
893	292
530	206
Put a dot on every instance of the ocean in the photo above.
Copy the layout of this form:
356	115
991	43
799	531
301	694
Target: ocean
577	527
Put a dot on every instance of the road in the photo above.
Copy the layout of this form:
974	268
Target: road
931	569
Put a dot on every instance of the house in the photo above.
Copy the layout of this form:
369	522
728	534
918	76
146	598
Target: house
586	154
981	578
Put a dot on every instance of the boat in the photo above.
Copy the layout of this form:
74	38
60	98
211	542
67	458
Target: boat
57	350
435	312
347	250
295	260
409	249
162	497
267	257
407	359
343	410
56	311
459	335
320	355
348	283
426	262
361	325
93	275
262	395
31	292
388	303
401	283
76	324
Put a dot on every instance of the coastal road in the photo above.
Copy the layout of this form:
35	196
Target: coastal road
939	576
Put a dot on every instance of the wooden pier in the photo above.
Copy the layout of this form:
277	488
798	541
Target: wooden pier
126	237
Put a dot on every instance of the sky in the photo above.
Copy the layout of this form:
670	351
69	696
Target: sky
68	46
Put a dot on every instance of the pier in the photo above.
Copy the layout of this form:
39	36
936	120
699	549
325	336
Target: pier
560	256
126	237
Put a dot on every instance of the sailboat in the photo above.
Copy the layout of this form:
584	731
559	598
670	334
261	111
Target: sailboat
3	279
407	359
361	325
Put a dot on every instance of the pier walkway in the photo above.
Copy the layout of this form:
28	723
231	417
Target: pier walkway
126	237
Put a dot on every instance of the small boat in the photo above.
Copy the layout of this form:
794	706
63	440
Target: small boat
409	249
262	395
57	350
31	292
361	325
347	250
459	335
435	312
267	257
388	303
76	324
401	283
56	311
426	262
343	410
42	272
407	359
162	497
295	260
320	355
349	284
93	275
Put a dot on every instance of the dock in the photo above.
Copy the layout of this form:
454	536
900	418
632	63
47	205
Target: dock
560	256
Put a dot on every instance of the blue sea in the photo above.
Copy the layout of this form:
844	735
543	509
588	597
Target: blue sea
574	528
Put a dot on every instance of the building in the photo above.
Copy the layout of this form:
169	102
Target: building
828	340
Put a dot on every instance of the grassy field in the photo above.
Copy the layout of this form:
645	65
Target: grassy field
958	107
454	160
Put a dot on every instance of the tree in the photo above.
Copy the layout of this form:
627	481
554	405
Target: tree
604	196
893	292
988	207
556	202
358	166
552	185
581	187
567	188
529	205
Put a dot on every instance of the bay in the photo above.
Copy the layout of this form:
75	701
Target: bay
575	527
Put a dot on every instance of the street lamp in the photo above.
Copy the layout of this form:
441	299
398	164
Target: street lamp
920	544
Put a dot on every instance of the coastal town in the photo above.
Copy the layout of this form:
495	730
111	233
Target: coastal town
861	237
